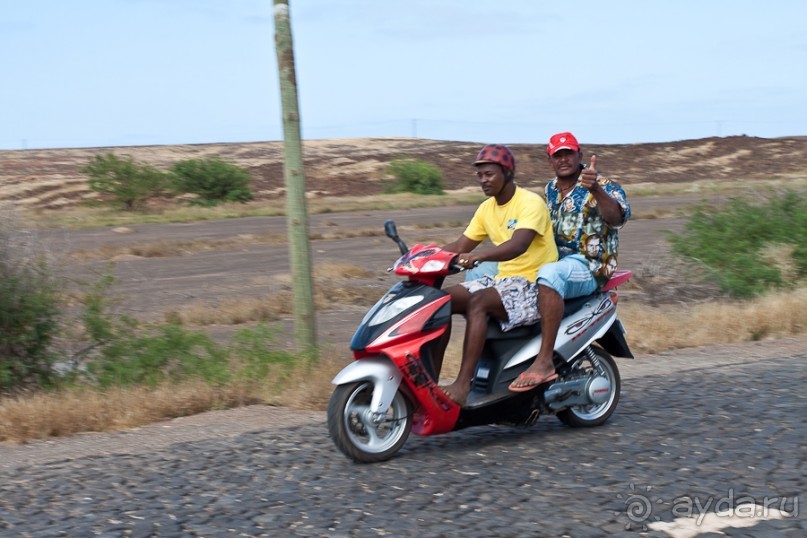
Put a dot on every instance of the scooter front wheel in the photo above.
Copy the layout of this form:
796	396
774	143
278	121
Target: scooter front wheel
362	435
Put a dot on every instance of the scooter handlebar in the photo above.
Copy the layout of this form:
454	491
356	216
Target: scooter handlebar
454	266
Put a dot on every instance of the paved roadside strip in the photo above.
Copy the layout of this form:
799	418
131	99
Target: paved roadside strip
706	357
211	425
234	422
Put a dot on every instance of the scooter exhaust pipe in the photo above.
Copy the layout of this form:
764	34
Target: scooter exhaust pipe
594	390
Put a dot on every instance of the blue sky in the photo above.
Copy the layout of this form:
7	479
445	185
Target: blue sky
84	73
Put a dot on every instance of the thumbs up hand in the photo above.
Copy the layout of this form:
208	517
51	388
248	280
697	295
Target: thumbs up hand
588	179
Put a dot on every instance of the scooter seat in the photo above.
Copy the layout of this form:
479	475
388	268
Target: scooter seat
570	306
524	331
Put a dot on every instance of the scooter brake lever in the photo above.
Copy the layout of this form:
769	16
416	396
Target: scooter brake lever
459	267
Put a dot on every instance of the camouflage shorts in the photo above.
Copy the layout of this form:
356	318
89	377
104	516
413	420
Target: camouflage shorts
519	297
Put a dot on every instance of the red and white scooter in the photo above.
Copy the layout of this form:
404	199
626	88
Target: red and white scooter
390	389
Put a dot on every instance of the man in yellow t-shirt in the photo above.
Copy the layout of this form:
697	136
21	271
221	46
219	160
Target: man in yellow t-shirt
517	222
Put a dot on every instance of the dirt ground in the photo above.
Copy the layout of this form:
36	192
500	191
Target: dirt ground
52	178
46	180
152	287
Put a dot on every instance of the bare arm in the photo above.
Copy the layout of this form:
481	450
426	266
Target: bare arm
512	248
610	209
462	244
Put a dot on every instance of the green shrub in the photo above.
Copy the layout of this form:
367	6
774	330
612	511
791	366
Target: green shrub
121	352
29	309
414	175
126	181
213	180
730	242
254	350
167	353
172	353
112	350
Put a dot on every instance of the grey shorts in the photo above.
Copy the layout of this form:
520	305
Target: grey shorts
519	297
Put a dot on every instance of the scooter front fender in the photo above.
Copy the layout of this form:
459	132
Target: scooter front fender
381	371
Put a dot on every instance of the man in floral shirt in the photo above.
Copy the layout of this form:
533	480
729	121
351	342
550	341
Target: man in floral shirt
587	209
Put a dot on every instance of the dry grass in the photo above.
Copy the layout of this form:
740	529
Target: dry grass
52	414
653	330
92	217
310	388
346	234
167	248
170	211
660	213
333	271
734	187
234	310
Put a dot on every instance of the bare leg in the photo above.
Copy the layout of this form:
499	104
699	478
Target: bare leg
550	306
481	306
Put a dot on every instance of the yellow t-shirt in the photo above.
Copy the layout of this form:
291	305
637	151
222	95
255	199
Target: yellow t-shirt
498	222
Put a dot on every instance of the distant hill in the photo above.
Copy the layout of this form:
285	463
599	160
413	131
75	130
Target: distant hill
51	178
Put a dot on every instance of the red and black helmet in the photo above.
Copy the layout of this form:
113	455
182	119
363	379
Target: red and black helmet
497	154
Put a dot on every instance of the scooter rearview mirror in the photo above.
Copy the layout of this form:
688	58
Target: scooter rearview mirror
390	229
392	232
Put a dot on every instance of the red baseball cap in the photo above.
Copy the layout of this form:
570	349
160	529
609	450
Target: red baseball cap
562	141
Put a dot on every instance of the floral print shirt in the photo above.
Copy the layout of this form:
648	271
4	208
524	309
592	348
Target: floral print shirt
580	228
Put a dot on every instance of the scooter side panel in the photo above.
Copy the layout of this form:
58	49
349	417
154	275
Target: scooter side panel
490	377
368	333
435	412
613	341
585	326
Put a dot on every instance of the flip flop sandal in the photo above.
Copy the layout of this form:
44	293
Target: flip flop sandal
535	381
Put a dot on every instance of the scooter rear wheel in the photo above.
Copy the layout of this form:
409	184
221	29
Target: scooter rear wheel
361	435
594	415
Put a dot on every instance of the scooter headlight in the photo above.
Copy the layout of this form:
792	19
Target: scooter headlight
389	311
432	266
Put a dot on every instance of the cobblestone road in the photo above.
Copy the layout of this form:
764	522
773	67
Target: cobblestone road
715	433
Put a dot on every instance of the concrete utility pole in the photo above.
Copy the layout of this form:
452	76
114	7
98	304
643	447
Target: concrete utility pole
294	176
